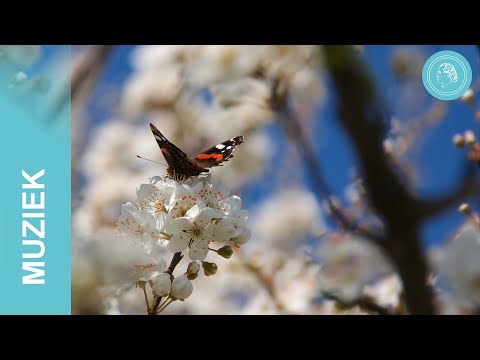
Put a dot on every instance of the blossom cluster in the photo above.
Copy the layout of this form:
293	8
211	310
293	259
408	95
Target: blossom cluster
185	217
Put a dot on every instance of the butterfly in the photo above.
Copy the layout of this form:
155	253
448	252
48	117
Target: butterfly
181	167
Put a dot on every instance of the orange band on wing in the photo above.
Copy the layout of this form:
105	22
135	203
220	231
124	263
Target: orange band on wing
217	157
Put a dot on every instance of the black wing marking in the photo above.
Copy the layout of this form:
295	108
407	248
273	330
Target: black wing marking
179	165
218	153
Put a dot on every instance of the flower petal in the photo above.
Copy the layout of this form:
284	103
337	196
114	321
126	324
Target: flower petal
222	231
178	242
144	190
193	212
198	250
180	191
146	220
243	237
233	204
204	217
128	210
182	223
149	276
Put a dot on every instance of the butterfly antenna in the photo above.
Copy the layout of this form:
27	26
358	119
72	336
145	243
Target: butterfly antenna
156	162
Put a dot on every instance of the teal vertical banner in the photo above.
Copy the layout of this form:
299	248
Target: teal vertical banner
35	205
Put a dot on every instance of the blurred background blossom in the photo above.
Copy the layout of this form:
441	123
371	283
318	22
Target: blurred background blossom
300	259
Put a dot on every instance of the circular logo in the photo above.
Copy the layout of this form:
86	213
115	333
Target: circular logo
447	75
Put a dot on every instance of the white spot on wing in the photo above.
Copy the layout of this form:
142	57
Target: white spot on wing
220	146
229	147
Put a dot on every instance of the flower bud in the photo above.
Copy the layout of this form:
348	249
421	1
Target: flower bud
225	251
477	116
458	141
182	288
192	276
162	284
209	268
468	97
465	208
193	268
470	137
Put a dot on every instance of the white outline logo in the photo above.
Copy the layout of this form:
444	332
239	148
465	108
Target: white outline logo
447	75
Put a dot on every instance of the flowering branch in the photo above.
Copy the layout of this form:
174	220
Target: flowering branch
364	122
172	216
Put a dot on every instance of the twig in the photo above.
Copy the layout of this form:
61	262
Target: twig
368	304
359	112
364	302
468	187
177	257
264	281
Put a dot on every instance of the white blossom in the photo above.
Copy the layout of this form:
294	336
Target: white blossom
140	224
197	229
182	288
162	284
463	275
177	217
348	264
284	220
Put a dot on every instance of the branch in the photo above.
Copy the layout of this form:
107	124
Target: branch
293	129
363	120
263	280
368	304
177	257
364	302
86	70
468	187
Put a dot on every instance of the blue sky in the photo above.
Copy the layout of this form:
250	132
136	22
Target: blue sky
439	163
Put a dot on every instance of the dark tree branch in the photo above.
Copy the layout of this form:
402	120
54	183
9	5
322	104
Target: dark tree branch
364	302
363	120
293	129
368	304
86	70
469	186
177	257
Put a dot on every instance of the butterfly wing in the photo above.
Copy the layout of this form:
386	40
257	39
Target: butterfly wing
170	152
179	165
218	153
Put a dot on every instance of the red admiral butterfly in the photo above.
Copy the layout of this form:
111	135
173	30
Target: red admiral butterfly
181	167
